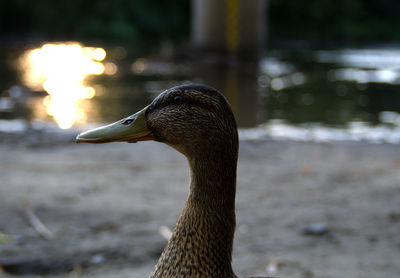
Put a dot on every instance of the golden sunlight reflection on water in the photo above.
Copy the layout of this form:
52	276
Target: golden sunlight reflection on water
61	69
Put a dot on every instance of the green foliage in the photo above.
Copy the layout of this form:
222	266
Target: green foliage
119	20
335	20
151	21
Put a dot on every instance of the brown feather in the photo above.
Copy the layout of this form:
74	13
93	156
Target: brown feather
203	128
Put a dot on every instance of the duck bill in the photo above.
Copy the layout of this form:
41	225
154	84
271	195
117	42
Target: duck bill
130	129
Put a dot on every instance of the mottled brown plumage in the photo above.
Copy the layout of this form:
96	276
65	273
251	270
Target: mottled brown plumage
197	121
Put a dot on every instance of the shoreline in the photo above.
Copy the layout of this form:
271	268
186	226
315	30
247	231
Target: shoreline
106	203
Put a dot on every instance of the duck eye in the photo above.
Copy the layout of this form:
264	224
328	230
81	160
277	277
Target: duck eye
178	98
127	122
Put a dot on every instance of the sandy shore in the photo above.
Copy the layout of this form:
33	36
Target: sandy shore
104	205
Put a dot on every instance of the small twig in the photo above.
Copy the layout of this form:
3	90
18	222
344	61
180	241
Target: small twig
35	222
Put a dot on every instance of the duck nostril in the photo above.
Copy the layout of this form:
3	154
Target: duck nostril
127	122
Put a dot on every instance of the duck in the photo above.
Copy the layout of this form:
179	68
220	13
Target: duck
197	121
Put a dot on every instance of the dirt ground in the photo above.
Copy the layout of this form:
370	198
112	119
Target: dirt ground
303	209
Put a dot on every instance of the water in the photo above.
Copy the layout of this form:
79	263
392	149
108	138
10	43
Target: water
343	94
336	87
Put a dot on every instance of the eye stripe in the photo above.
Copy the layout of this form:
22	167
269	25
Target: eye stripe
163	100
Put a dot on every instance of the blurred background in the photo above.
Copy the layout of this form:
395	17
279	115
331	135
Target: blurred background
279	63
325	71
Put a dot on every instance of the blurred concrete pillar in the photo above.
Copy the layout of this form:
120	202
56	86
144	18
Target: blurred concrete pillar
235	26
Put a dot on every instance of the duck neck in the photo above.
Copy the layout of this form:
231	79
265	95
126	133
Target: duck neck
201	244
213	182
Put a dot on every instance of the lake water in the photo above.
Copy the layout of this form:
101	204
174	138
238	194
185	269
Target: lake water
323	95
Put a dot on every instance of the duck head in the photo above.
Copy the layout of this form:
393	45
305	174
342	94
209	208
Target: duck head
197	121
190	118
